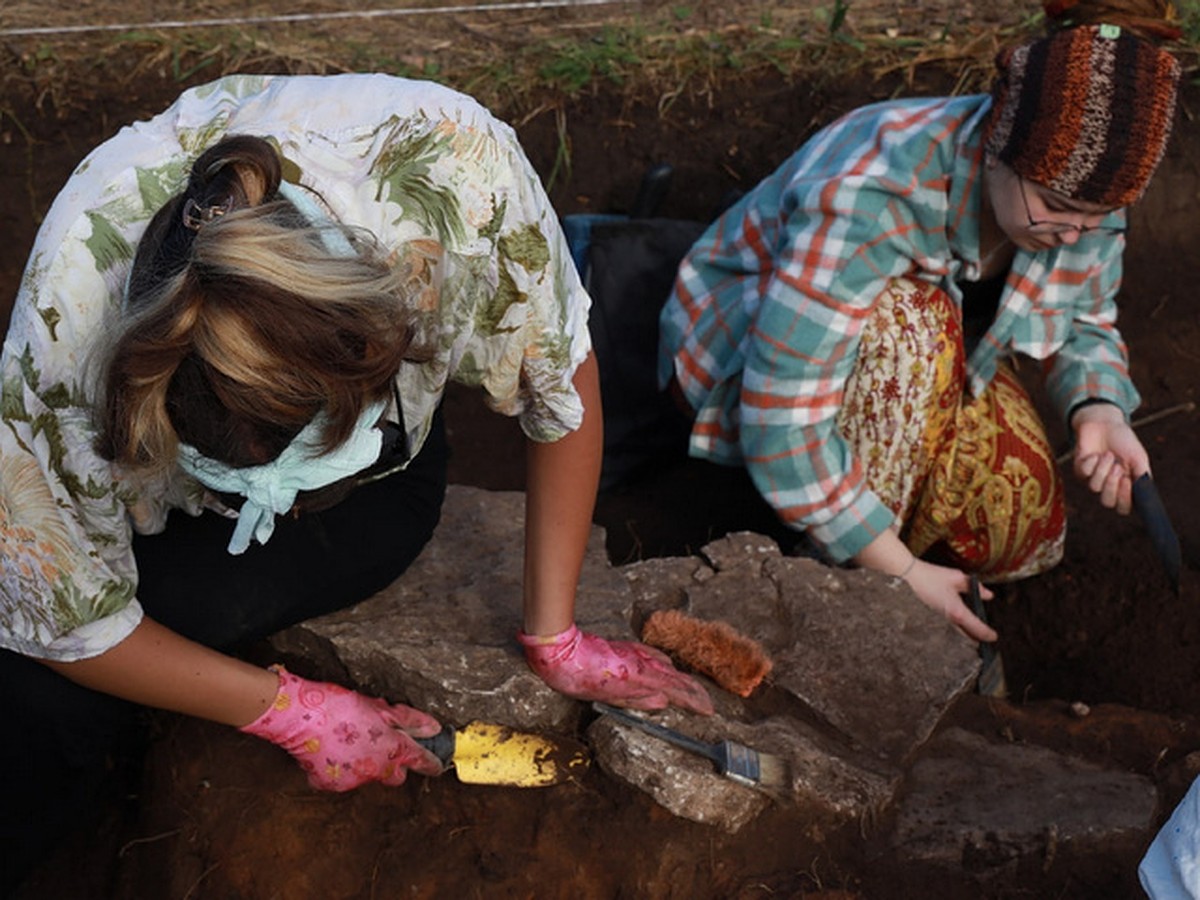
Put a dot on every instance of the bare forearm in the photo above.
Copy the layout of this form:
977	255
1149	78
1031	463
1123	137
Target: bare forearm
560	498
157	667
886	554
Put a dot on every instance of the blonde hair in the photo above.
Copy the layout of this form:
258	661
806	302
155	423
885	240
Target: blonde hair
242	324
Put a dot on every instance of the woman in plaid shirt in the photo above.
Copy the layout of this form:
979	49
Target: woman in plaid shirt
844	331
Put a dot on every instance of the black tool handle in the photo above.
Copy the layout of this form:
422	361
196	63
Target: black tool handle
652	190
659	731
987	652
1149	505
441	744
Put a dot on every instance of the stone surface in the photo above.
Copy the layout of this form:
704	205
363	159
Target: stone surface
800	767
867	657
863	672
684	783
853	647
977	805
442	637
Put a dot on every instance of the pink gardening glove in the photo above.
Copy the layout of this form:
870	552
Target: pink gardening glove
623	673
343	739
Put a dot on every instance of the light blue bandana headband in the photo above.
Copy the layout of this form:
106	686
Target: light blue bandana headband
270	489
333	238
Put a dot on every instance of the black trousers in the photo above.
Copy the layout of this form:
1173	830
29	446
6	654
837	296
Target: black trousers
59	740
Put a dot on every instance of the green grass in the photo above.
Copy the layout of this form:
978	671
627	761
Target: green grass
1189	14
604	59
657	56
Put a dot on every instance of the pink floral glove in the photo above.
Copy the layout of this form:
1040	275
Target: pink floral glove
343	739
624	673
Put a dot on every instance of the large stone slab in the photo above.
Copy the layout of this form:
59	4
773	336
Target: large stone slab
683	783
855	649
862	670
809	771
974	805
868	657
442	637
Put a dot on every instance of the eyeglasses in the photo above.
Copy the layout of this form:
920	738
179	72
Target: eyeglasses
1037	226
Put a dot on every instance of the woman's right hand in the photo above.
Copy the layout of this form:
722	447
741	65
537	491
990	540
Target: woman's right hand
622	673
343	739
942	589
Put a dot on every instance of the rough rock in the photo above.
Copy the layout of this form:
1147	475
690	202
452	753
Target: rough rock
679	781
808	771
869	660
972	804
442	637
851	646
863	673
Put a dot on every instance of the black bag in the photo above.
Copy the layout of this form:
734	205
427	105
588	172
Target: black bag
628	266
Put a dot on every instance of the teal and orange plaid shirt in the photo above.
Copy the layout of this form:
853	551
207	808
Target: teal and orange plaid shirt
762	329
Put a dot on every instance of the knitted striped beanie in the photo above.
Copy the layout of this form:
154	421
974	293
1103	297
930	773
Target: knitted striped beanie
1085	111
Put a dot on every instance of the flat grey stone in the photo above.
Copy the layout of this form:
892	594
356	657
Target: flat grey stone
442	637
862	652
741	550
862	670
807	771
977	805
683	783
855	648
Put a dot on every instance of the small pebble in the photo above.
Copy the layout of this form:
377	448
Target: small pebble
1079	709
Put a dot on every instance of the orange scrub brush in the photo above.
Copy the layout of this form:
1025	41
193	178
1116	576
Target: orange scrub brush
732	660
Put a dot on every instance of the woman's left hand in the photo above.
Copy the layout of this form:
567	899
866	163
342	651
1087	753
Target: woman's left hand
623	673
1108	455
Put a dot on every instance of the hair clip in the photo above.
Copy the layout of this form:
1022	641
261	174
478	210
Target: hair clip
195	215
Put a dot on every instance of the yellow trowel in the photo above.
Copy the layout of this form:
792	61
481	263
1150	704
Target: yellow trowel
485	753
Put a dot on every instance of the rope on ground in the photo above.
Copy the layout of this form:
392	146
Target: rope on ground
304	17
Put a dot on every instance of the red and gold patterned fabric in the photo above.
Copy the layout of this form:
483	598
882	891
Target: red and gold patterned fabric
972	480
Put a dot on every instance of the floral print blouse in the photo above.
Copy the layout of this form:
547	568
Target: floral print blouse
439	181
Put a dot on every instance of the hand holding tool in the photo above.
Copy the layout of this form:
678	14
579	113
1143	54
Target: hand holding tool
343	739
991	674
